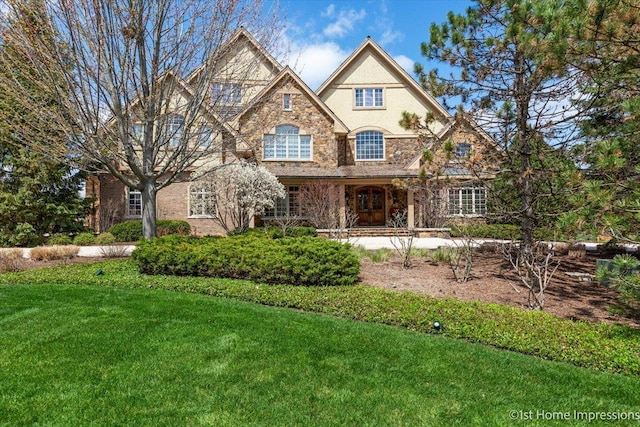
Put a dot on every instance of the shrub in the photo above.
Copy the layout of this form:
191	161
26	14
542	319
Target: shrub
127	231
622	275
49	253
23	235
11	259
277	232
306	261
84	239
131	231
503	232
105	239
59	240
173	226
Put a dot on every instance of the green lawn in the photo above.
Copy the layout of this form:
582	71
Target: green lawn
81	355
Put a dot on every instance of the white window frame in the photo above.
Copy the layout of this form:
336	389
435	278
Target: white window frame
288	207
205	135
368	97
359	152
202	203
226	93
287	145
287	104
174	129
134	203
460	199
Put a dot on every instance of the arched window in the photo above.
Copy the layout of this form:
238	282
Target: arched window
369	145
287	144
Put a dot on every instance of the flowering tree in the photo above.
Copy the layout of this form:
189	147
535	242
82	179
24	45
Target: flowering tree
242	190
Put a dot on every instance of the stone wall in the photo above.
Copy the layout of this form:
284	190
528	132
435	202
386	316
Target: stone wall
305	114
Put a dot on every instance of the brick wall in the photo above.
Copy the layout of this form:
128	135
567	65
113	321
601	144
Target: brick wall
172	203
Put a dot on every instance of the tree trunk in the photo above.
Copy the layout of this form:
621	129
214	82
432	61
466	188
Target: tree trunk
149	193
523	99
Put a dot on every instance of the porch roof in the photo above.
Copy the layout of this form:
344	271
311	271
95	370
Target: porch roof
353	172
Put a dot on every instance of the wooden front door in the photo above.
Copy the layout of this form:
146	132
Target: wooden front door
370	206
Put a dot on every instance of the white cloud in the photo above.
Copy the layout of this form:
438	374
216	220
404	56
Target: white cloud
314	63
344	23
389	36
405	62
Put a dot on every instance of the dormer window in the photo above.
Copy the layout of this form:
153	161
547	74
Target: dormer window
369	97
286	102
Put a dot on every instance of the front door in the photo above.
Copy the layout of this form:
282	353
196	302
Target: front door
370	206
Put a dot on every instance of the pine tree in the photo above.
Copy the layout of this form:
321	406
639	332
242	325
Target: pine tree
608	51
513	79
38	194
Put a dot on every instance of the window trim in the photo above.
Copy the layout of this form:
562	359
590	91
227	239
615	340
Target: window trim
364	105
199	189
467	151
478	207
133	192
272	213
287	104
384	147
174	129
226	93
274	137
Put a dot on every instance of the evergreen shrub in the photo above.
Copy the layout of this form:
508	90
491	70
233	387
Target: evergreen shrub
105	238
305	261
131	230
84	239
59	240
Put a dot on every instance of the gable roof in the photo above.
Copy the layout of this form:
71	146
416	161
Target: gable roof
369	45
236	38
287	72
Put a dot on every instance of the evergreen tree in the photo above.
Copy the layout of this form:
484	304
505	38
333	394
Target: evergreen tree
514	82
512	77
38	194
608	51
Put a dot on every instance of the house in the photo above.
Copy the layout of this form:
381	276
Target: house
346	133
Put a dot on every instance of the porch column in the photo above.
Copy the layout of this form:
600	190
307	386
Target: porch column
342	204
410	210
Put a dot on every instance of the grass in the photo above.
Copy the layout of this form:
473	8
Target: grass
598	346
81	355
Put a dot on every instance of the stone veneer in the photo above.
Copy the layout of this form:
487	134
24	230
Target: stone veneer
398	152
305	114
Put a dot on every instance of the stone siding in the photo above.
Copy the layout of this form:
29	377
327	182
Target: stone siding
305	114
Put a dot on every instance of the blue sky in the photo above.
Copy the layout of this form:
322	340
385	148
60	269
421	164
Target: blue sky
322	33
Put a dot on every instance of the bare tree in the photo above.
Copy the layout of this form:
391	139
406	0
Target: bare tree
143	86
320	202
401	241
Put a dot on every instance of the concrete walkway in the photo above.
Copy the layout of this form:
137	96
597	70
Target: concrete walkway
371	243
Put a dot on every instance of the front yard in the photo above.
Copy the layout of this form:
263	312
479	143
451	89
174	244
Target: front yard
95	351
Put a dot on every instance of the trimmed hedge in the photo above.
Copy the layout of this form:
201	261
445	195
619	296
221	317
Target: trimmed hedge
131	230
305	261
